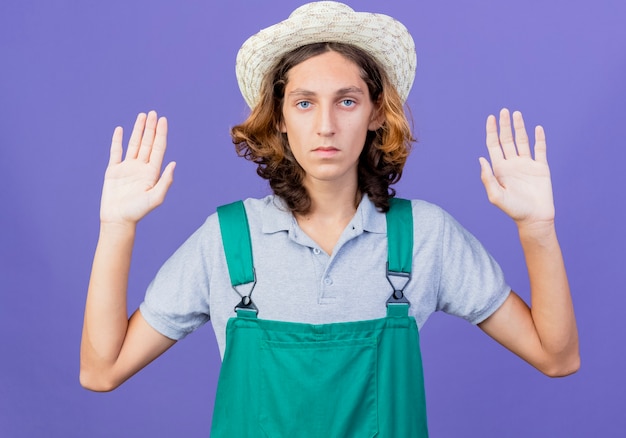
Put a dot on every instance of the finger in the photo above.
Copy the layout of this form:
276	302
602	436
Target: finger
540	145
506	134
148	137
160	143
115	153
521	138
492	186
135	136
163	184
493	142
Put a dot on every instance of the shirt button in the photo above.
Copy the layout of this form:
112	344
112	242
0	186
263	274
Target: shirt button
316	251
328	281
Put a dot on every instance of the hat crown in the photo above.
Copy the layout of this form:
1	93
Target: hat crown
325	7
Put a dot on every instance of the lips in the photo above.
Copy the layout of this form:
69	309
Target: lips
325	151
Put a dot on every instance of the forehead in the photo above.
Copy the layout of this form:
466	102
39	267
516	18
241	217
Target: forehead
326	69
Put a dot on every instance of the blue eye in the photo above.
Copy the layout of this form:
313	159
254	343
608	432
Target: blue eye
304	104
347	102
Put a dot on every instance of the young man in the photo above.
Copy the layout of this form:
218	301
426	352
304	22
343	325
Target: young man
316	292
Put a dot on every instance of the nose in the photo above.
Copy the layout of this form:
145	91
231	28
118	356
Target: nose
325	120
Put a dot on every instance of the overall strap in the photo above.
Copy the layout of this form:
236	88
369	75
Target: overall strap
238	250
400	248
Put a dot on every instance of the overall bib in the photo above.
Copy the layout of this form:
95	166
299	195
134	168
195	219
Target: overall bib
351	379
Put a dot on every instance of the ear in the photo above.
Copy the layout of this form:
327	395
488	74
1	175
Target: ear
377	120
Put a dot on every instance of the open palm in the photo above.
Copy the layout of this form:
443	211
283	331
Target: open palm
516	182
134	186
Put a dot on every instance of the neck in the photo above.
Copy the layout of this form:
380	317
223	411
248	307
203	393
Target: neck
330	202
332	209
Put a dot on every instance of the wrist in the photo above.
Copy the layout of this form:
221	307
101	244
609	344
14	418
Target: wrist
537	231
118	229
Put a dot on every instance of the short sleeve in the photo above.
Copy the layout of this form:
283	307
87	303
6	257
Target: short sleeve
472	284
177	300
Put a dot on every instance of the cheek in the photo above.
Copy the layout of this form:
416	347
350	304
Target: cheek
288	124
282	127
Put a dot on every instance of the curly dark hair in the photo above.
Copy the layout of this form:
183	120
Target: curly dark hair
384	154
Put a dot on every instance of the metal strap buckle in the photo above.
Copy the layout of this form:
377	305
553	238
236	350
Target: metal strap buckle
397	296
246	300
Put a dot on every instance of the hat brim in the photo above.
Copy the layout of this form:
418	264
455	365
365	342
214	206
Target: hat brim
382	36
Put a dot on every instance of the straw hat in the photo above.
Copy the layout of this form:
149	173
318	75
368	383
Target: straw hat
383	37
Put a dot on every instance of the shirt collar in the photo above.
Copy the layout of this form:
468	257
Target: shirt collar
277	217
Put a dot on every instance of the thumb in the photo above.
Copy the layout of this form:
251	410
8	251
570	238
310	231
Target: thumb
163	184
492	186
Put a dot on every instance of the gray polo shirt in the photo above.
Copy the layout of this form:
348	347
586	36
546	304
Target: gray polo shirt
298	282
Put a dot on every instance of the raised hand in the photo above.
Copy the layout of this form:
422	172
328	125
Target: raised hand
545	335
515	182
134	186
113	347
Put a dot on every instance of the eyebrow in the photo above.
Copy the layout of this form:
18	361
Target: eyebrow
340	92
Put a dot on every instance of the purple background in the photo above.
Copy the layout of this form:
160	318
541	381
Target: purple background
73	70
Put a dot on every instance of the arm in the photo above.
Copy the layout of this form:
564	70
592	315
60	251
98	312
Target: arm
114	347
545	334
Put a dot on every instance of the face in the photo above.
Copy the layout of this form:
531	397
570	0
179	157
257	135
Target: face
327	112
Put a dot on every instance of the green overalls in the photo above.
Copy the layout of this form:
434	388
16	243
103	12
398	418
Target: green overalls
351	379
